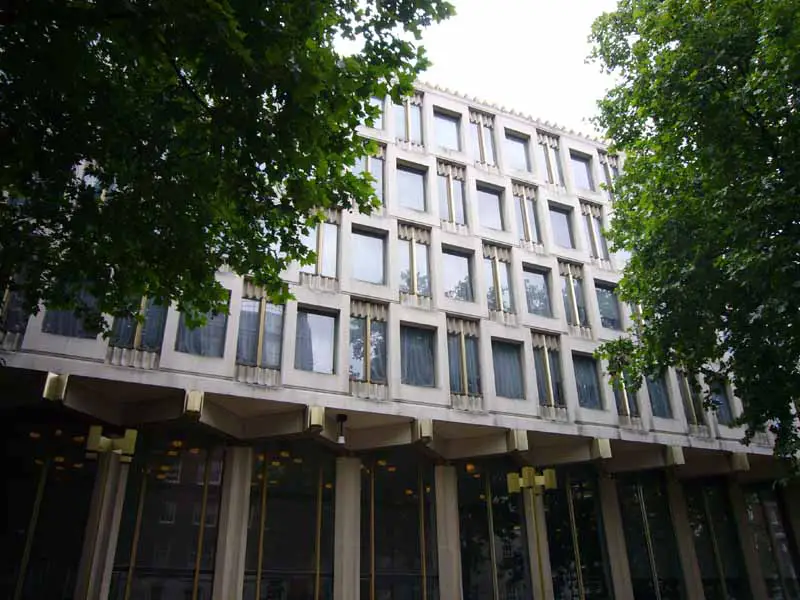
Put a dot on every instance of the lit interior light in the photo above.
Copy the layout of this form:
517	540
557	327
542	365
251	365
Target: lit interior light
284	454
469	468
35	435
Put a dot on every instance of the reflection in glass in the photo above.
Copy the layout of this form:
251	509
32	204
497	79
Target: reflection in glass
562	230
423	283
271	336
463	363
367	366
541	367
150	332
456	278
574	293
323	242
489	209
411	188
537	292
527	221
398	527
446	130
367	256
659	396
609	306
315	342
417	356
587	381
451	199
581	171
501	301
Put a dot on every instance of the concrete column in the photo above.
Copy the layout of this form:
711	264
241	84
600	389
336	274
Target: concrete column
448	537
347	530
692	578
615	538
752	563
102	528
232	529
538	549
790	494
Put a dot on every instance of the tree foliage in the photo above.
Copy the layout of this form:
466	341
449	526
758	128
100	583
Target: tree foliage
146	144
705	110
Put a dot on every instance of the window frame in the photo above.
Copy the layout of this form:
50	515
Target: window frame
577	357
450	180
414	261
479	133
606	287
444	115
518	349
493	263
550	357
379	235
223	327
524	141
432	332
318	267
464	372
525	206
418	170
263	304
585	160
334	316
369	322
406	135
545	274
482	189
567	213
468	256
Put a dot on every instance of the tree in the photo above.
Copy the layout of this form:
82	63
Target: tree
146	145
705	110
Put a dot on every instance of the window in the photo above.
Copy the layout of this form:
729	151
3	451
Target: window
659	396
593	226
408	120
517	151
147	335
315	341
411	187
168	511
625	397
463	357
323	240
490	212
14	316
587	381
547	364
456	275
572	293
537	291
206	340
451	193
581	171
547	156
525	208
378	122
690	397
507	360
413	257
446	128
260	331
609	306
373	165
562	229
482	142
417	356
67	322
497	266
367	342
211	514
367	256
609	171
719	396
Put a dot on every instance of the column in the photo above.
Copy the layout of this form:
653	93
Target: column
615	538
752	561
538	550
234	509
102	528
347	530
448	537
692	577
790	496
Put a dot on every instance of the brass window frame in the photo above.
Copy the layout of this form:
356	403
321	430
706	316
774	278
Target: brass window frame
413	260
368	319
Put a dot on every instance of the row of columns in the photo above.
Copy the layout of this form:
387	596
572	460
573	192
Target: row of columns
107	502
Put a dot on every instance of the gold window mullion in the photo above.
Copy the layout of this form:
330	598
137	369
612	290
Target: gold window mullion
262	316
137	528
422	543
262	521
30	533
198	561
412	244
592	237
573	300
481	146
526	226
573	527
684	383
549	159
407	109
464	375
714	544
537	537
137	337
551	397
649	542
372	573
320	247
492	549
451	200
625	400
368	345
498	295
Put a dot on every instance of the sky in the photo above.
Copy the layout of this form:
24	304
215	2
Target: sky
527	55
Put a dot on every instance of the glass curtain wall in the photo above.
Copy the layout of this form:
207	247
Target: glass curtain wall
649	537
290	528
398	527
495	563
168	534
578	552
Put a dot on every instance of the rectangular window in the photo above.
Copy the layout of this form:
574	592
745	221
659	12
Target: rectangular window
368	342
610	171
315	341
417	356
719	396
572	293
413	258
367	254
608	304
168	511
207	340
323	240
587	381
378	121
457	275
408	120
516	151
562	228
547	364
549	162
490	208
374	165
659	396
581	171
451	193
507	361
537	291
481	139
447	130
411	187
463	357
625	398
67	323
692	400
497	267
147	335
525	209
593	226
260	332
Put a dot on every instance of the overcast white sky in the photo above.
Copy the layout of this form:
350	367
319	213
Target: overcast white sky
522	54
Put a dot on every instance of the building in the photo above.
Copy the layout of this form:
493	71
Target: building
425	420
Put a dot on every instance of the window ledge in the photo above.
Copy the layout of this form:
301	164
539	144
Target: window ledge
582	331
555	413
407	145
258	375
534	247
457	228
500	316
131	357
467	403
10	340
371	391
319	282
415	300
602	263
700	431
629	422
